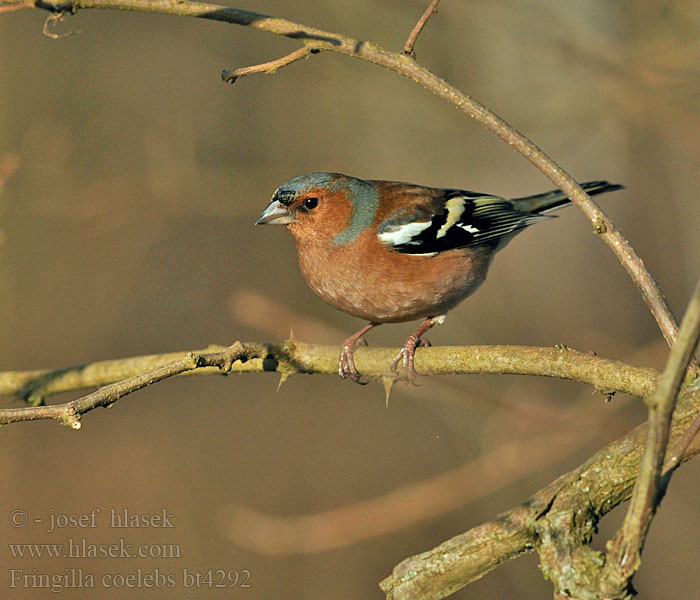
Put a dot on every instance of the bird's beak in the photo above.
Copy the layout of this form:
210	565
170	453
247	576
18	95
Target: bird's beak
275	214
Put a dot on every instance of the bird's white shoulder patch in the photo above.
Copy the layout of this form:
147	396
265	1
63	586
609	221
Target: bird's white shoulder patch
403	234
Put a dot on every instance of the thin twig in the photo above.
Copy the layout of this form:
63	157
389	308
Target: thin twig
624	550
407	67
408	47
71	412
268	67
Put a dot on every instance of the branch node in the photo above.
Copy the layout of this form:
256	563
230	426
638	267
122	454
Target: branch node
599	227
71	419
194	359
290	343
234	352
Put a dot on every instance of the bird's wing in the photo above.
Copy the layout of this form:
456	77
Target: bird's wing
453	219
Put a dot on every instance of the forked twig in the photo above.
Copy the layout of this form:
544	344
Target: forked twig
409	46
71	412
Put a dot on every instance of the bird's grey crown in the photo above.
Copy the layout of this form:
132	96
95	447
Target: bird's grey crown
362	194
301	184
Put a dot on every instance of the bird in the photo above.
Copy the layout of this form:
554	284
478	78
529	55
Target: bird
392	252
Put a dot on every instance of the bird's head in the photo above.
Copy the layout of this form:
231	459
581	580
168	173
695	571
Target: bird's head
325	208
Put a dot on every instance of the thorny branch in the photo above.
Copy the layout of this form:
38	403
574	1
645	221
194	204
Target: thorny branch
70	413
124	376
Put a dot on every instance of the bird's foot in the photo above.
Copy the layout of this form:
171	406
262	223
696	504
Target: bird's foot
346	364
407	356
346	360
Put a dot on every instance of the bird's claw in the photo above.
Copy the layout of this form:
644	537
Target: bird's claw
407	357
346	362
346	365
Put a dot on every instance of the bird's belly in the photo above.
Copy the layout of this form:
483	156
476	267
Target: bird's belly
398	287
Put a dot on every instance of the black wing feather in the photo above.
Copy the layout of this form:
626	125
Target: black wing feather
458	219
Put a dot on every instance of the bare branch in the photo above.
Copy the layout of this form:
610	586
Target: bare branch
624	550
268	67
71	412
607	376
545	522
408	47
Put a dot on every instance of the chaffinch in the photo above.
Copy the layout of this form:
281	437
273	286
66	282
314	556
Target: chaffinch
389	252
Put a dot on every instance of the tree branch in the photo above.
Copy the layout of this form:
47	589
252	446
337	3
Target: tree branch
408	47
407	67
558	521
130	374
625	549
70	413
680	450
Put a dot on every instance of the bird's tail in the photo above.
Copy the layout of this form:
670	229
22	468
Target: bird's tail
543	203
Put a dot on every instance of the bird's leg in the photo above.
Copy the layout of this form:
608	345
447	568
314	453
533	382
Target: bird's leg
407	353
346	363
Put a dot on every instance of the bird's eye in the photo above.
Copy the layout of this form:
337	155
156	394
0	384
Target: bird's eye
310	203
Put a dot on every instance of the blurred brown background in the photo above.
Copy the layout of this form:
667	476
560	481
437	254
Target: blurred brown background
127	228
